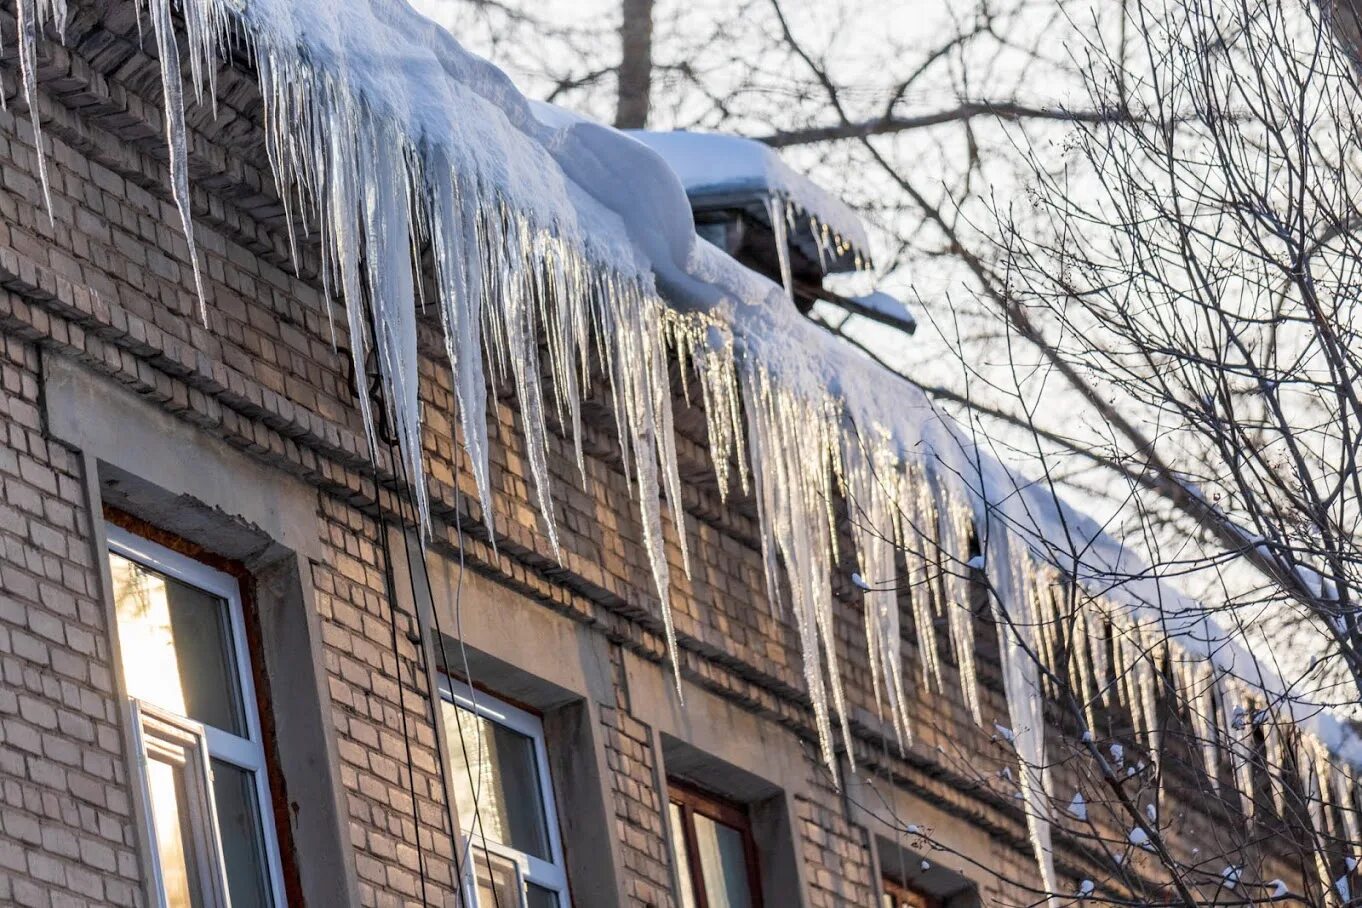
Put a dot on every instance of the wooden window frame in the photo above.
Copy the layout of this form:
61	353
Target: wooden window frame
692	800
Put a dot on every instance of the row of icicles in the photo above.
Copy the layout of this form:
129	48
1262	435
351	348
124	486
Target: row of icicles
505	288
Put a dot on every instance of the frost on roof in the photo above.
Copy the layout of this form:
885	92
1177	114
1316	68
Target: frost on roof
548	230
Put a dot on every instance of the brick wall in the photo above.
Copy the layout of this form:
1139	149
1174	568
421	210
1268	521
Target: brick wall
836	854
66	826
384	722
105	281
640	808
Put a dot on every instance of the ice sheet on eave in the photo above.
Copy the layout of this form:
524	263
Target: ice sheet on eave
711	164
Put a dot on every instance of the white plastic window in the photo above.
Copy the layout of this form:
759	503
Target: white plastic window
202	760
498	770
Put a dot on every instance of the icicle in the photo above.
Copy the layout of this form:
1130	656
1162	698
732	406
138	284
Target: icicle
872	482
30	15
453	220
792	479
918	538
1276	761
1316	810
1098	623
177	133
1198	689
1344	788
1148	682
391	292
777	209
711	355
1012	603
1238	717
956	521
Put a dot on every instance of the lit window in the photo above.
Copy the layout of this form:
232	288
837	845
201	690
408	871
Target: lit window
897	895
182	641
713	850
499	773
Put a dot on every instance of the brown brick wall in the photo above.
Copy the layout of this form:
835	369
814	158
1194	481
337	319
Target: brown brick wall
383	720
106	281
66	824
836	854
640	806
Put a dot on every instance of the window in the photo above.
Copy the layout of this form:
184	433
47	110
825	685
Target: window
182	640
713	850
499	773
897	895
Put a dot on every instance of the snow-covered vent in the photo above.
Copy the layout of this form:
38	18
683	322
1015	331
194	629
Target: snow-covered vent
729	171
384	134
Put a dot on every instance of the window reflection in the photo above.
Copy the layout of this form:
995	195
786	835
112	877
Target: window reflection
712	849
498	882
496	782
171	812
239	824
176	645
723	861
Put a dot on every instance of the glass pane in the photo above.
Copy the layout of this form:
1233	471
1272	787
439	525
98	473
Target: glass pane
681	856
497	881
243	846
724	864
174	822
496	782
177	646
537	896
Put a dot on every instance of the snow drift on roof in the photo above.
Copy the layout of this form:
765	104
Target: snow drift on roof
711	165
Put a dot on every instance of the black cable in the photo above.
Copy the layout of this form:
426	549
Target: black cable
475	784
379	429
444	663
391	592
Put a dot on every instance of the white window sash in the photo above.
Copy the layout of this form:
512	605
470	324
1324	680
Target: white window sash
156	729
246	753
551	875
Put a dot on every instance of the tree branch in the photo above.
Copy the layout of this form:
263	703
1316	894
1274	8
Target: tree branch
968	110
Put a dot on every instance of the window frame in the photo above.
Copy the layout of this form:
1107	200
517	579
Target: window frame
245	753
530	869
156	727
692	800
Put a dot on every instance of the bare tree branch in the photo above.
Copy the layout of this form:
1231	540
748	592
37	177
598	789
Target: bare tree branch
969	110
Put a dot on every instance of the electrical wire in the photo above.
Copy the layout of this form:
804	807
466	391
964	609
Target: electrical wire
391	593
475	782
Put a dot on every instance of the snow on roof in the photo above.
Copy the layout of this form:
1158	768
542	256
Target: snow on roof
718	167
380	124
